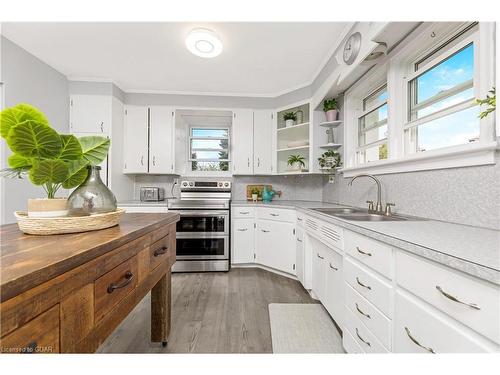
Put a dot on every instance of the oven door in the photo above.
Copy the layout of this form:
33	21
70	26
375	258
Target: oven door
202	248
203	223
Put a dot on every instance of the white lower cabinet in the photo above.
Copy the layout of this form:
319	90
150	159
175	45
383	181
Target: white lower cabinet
243	241
275	244
334	290
318	270
300	259
419	328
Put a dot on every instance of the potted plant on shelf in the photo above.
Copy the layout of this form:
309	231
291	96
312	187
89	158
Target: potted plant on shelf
330	107
297	162
49	159
290	118
329	160
255	194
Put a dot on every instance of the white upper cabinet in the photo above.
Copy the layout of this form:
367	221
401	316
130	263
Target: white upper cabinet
90	114
136	140
161	140
242	148
262	142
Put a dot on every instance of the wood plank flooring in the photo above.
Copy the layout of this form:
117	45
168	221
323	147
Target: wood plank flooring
212	313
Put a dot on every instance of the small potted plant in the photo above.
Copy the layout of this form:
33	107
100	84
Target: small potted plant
297	162
255	194
290	118
49	159
329	160
330	107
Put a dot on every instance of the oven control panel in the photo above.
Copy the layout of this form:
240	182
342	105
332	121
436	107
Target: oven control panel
205	185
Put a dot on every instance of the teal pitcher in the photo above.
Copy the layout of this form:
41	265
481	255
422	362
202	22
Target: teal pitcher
267	195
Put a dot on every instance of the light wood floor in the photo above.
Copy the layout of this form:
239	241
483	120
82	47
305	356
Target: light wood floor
212	313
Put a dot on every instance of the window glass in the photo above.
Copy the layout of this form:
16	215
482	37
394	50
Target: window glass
209	149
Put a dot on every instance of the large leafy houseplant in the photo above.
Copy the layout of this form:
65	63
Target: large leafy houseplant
50	159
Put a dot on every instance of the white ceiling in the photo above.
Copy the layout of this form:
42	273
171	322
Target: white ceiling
259	59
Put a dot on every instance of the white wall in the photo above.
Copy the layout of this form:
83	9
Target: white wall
29	80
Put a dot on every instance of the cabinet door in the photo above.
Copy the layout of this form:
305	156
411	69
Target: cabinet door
334	287
90	114
136	140
262	141
300	256
318	271
243	246
276	245
242	148
106	162
161	140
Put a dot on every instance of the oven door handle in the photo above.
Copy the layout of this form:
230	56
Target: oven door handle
201	212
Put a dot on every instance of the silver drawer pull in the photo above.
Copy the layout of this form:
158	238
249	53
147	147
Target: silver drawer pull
455	299
298	239
244	212
362	252
361	312
299	219
319	256
274	214
362	339
430	350
363	285
333	268
265	231
242	230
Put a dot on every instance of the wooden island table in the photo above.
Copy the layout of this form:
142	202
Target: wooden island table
66	293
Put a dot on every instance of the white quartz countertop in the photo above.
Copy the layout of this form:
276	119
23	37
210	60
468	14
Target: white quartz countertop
473	250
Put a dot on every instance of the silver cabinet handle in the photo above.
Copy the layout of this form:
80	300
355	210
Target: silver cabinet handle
142	160
274	214
249	162
242	230
455	299
244	212
430	350
362	339
258	162
298	239
361	312
363	285
362	252
154	160
333	268
102	127
299	219
265	231
319	256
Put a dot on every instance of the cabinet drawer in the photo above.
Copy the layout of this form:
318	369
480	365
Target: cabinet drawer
350	345
159	252
243	212
276	214
470	301
361	335
419	328
40	335
369	285
373	319
113	286
374	254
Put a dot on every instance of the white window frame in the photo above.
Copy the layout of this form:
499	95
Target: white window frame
398	65
190	159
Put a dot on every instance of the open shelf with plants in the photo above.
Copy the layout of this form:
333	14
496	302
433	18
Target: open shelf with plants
293	139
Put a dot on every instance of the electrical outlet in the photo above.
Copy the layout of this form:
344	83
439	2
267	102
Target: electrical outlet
331	179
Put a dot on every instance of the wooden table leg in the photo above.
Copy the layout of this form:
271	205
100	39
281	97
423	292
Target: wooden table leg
160	309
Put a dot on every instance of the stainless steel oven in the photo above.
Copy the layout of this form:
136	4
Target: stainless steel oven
203	232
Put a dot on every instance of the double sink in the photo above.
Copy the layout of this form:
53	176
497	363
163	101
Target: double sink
359	214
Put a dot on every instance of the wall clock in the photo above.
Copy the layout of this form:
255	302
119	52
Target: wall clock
351	48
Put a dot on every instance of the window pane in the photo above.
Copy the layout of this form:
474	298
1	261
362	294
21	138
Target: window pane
373	135
207	132
456	70
374	153
378	97
373	126
215	144
210	166
455	129
209	155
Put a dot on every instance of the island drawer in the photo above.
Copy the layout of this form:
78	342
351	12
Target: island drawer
159	252
113	286
279	214
374	254
243	212
40	335
471	301
371	286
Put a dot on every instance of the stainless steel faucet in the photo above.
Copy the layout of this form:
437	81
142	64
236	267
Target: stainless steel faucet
378	206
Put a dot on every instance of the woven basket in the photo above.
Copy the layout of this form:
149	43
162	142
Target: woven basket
68	224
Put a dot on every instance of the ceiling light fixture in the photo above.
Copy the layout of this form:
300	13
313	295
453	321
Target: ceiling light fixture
204	43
